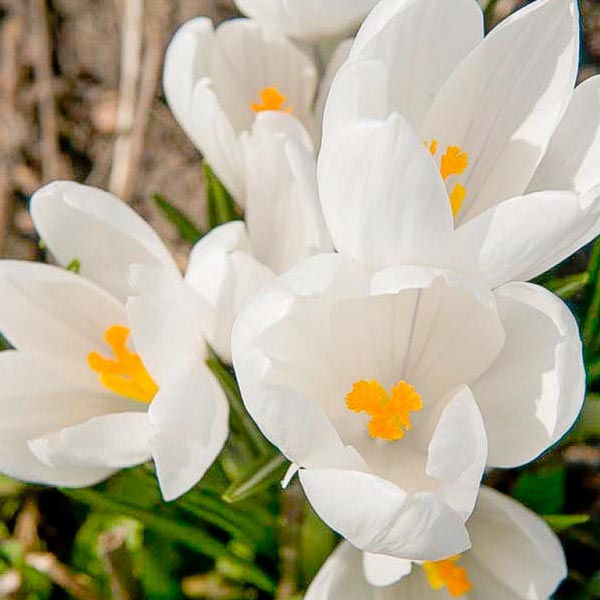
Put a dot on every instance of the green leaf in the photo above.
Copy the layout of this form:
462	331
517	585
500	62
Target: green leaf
238	412
4	345
590	320
74	266
220	204
567	287
261	476
186	229
191	537
588	425
562	522
543	491
317	543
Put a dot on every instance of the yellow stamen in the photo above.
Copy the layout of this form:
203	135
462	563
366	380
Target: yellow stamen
433	147
454	162
390	418
271	99
446	573
126	374
457	197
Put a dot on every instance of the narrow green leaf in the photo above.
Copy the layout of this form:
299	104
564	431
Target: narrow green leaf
567	287
562	522
193	538
220	204
590	321
263	475
238	412
74	266
186	229
4	345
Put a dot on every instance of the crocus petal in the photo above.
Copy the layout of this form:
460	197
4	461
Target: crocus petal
164	326
571	161
341	577
381	570
396	211
458	452
420	42
307	19
283	214
223	273
34	402
516	96
249	58
377	516
515	554
82	223
58	316
533	392
523	237
114	441
190	417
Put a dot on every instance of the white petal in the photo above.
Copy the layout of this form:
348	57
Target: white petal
571	161
458	452
392	209
341	577
337	59
381	570
503	103
190	416
283	213
377	516
223	274
213	134
101	232
188	89
34	402
164	326
534	391
249	58
515	554
421	43
307	19
523	237
58	316
113	441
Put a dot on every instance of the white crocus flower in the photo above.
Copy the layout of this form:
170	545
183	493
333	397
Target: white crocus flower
515	556
308	19
442	147
381	388
283	225
218	80
95	383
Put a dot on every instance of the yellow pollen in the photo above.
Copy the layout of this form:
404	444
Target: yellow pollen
454	162
390	418
271	99
126	374
446	573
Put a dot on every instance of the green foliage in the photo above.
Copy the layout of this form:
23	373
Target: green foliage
74	266
186	229
220	205
562	522
542	490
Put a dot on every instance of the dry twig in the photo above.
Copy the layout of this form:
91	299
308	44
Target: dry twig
118	565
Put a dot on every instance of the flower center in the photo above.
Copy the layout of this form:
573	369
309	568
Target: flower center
271	99
446	573
454	162
125	374
390	418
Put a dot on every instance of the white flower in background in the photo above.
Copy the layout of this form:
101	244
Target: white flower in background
95	383
308	19
283	225
513	185
381	390
515	556
217	81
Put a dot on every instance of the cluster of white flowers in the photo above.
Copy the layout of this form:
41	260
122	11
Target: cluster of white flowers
399	190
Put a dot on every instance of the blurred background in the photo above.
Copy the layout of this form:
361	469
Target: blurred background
80	98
